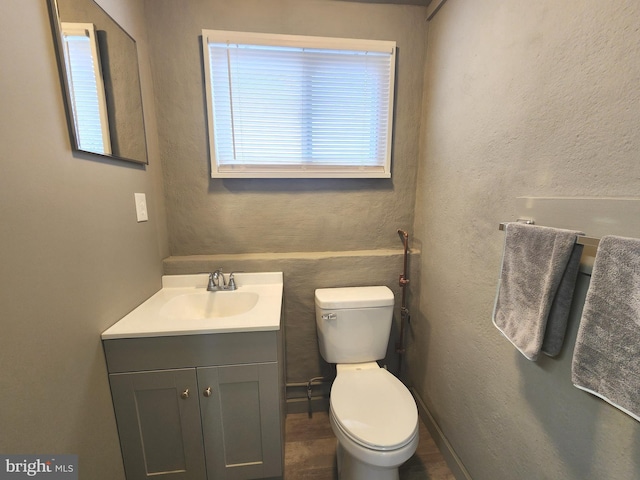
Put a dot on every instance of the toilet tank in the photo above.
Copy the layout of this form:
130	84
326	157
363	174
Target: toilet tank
353	323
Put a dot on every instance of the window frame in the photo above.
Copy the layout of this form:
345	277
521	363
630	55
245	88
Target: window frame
301	169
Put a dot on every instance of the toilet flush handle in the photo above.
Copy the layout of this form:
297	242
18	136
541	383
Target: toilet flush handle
329	316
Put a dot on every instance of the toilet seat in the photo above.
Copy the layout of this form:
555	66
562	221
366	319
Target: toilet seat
374	409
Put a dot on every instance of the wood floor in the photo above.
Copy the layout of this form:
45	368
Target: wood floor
310	452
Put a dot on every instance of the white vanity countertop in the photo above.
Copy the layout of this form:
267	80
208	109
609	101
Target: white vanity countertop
152	320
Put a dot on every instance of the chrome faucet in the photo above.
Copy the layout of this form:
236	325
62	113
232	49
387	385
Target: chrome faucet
214	281
218	279
218	282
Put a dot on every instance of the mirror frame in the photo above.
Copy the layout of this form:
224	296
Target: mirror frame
56	27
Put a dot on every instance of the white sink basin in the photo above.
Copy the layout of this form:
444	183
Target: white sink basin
184	307
206	305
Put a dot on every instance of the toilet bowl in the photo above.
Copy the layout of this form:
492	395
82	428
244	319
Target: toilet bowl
373	415
375	420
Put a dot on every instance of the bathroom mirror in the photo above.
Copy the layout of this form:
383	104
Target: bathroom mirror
98	63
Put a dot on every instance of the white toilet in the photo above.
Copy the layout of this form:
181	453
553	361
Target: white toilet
373	415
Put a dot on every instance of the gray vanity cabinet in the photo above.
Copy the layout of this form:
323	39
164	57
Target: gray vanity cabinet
240	428
159	425
199	407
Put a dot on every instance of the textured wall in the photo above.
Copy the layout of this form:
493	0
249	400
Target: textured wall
73	258
522	99
209	216
269	217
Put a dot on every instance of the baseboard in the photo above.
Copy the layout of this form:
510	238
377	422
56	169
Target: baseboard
455	464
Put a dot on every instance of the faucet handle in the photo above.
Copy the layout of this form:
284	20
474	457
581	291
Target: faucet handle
232	282
211	286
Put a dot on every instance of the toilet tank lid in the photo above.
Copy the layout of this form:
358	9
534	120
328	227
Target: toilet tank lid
354	297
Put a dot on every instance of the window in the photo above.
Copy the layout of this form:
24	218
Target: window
86	88
292	106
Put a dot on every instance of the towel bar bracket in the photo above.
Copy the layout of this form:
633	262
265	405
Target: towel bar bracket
526	221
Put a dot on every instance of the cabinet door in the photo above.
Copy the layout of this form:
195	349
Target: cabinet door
158	415
241	421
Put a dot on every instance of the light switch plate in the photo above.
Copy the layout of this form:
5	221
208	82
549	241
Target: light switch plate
141	207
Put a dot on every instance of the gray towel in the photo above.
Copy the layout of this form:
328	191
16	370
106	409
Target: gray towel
535	263
561	307
606	359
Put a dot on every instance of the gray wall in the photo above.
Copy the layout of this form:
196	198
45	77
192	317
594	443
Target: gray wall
522	99
283	216
73	259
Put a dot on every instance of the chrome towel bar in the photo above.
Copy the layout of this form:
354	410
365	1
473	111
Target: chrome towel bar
581	240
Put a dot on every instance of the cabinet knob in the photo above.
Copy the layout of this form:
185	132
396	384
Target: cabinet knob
207	392
185	394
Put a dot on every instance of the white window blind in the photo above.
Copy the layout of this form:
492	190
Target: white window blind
291	106
86	88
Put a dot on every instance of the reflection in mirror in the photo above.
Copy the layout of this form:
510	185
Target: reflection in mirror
86	88
99	67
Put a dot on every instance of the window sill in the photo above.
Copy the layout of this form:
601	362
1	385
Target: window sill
299	172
